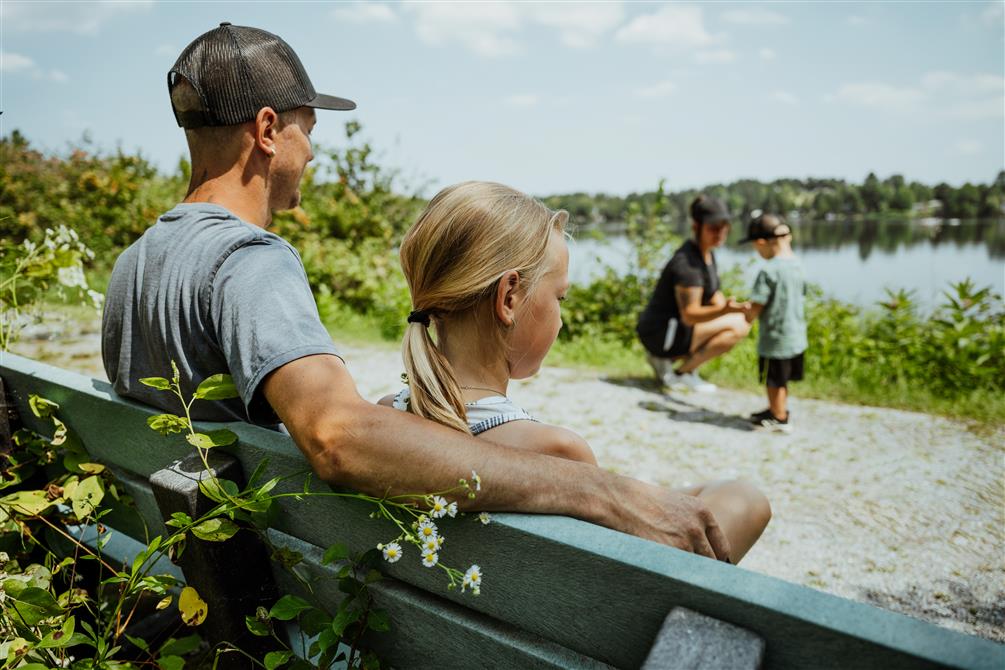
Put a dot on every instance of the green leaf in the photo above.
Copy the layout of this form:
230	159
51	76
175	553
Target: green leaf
34	605
256	627
378	620
166	424
87	496
138	642
158	383
180	646
217	490
58	638
214	438
217	387
373	576
178	520
171	663
314	621
41	407
215	530
28	503
336	552
91	468
274	659
343	619
288	607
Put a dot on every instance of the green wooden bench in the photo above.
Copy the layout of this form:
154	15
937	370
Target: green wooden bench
558	592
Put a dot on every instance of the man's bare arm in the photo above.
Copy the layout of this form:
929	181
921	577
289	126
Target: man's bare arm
351	442
692	311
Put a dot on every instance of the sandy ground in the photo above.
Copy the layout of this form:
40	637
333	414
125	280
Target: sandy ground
898	509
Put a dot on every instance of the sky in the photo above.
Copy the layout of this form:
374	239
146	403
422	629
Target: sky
556	97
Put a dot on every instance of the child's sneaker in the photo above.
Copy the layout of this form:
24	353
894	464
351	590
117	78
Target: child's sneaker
757	417
689	381
773	423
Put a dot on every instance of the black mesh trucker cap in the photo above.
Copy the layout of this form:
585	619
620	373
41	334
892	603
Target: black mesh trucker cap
237	70
707	209
765	227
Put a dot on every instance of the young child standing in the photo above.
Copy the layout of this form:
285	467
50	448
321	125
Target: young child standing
487	268
777	299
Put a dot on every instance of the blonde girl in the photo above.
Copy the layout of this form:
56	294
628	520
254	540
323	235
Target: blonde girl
487	268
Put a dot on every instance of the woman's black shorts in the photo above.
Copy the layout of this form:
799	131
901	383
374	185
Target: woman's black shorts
680	345
778	372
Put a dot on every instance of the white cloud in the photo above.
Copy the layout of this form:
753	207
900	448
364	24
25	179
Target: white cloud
942	93
880	96
951	82
785	97
658	90
678	26
767	54
85	18
15	63
580	25
968	147
364	12
493	29
994	14
755	16
524	100
715	56
12	62
976	110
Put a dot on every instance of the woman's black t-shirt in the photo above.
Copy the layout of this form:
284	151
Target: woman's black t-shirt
686	268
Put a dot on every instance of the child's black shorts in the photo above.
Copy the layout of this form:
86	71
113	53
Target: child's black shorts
778	372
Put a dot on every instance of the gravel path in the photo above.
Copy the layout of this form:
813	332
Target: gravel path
899	509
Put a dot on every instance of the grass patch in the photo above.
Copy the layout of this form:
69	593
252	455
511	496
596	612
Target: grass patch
352	328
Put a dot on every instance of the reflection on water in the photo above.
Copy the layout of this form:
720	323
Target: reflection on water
853	260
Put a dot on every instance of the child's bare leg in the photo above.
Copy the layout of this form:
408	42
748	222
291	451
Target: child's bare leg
778	401
739	507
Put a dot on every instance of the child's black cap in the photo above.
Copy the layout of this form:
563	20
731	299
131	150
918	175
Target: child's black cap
765	227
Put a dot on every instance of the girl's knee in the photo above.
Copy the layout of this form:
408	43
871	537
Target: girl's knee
750	502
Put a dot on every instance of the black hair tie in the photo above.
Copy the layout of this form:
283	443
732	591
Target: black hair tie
419	316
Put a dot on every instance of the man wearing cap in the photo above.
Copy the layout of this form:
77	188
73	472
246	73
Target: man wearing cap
688	319
207	286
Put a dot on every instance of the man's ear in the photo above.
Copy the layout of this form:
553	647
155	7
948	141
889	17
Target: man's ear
509	297
266	130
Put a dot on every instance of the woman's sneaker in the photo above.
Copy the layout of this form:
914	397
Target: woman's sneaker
767	421
689	381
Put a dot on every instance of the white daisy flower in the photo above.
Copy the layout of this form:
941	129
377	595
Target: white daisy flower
432	544
452	510
427	529
476	480
485	517
472	578
439	507
392	552
430	558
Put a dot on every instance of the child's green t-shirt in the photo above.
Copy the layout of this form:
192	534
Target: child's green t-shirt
780	287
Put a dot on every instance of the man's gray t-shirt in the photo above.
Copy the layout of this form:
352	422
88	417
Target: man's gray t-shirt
215	294
780	287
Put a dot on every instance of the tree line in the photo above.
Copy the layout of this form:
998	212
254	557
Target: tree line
805	198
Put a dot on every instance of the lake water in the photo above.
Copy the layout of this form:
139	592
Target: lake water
854	261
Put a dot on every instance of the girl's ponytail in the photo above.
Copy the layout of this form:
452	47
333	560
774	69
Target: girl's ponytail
434	392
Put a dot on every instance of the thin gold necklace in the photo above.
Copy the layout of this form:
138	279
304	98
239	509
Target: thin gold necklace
483	388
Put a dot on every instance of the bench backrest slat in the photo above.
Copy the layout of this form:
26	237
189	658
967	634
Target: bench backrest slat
585	588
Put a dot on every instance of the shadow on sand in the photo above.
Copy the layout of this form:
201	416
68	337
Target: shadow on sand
677	407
